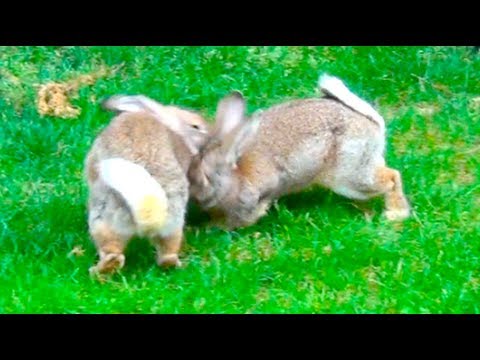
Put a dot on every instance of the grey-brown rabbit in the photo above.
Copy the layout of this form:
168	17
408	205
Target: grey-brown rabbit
136	173
337	141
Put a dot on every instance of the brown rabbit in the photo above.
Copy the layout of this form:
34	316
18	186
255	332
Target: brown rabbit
336	141
136	173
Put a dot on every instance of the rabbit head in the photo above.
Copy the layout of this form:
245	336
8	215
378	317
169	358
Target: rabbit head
212	171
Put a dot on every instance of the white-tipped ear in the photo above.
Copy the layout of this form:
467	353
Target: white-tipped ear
242	138
230	113
134	103
127	103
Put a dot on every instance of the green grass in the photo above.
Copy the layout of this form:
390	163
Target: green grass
314	253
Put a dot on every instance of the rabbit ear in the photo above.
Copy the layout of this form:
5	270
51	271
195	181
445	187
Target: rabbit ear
230	113
119	103
238	142
134	103
163	114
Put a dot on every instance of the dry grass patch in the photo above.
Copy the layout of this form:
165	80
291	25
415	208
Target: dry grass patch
53	98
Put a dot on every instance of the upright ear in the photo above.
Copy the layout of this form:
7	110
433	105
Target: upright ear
230	113
164	114
238	142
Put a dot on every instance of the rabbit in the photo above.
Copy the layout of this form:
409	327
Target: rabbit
136	174
336	141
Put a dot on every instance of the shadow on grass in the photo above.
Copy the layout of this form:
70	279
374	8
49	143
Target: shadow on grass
322	200
140	254
140	258
315	199
196	217
312	200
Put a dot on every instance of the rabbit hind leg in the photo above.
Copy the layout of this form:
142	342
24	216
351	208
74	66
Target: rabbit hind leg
110	227
168	247
110	245
364	185
396	204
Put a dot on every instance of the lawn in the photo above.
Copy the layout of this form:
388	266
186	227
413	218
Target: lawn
315	252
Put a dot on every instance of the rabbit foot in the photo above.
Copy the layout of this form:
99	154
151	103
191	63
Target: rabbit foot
397	214
108	264
169	261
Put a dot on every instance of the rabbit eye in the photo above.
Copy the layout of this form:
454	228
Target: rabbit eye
196	127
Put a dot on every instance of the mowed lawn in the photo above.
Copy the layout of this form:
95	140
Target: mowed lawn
315	252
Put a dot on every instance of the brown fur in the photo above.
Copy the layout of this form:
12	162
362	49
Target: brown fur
107	240
168	249
142	138
92	172
110	246
391	181
297	144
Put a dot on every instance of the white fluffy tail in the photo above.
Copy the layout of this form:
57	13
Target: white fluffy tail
144	195
334	87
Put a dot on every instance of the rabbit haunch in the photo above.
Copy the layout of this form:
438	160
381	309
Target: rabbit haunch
136	173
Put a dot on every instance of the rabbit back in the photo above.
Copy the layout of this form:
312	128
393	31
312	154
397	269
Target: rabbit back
139	138
315	141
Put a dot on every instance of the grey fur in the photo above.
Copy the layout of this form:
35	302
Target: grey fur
298	143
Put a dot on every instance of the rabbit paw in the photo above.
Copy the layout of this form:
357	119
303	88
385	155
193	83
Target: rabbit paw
397	214
108	264
168	261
